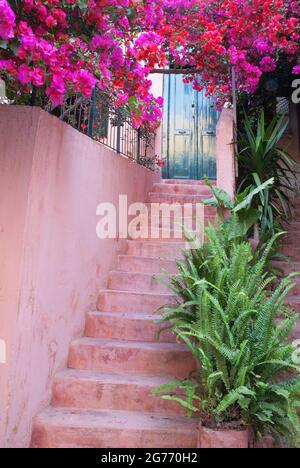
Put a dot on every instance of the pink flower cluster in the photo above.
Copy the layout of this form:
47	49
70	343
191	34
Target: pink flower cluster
69	46
296	70
7	20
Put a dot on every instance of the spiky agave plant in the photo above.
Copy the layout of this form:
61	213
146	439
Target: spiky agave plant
228	320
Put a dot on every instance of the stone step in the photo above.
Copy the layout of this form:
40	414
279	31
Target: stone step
292	226
292	237
139	264
171	198
294	302
101	391
160	235
166	250
187	182
127	301
291	251
175	226
65	428
126	326
172	233
131	356
175	223
176	211
183	189
125	281
287	267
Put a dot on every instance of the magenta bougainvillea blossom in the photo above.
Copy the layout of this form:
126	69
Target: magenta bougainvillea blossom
296	70
68	46
7	20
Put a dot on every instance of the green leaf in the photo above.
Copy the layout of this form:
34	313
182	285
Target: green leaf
247	201
3	45
83	5
182	402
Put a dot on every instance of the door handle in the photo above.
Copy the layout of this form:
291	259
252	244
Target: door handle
209	133
182	132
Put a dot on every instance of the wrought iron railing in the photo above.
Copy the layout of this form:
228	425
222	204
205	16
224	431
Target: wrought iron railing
109	125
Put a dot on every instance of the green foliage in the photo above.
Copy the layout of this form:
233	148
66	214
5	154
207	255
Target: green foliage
261	158
241	208
243	219
227	317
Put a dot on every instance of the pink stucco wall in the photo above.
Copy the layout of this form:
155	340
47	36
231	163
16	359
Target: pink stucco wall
226	162
52	264
290	142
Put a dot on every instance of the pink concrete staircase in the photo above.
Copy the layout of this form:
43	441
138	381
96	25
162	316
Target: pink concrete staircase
104	398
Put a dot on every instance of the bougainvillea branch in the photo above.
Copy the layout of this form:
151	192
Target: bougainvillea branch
62	47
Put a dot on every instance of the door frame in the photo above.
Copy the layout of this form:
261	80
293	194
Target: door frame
198	167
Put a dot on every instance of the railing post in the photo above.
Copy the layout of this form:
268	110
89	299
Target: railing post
92	114
118	149
138	149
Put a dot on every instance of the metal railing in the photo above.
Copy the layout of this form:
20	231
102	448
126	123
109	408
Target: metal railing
111	126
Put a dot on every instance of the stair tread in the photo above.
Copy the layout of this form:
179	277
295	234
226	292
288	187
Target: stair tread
142	345
197	198
130	315
152	265
148	259
187	181
183	186
138	273
79	418
141	293
161	242
113	378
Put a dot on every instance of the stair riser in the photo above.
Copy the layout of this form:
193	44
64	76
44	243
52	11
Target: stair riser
180	189
170	251
187	182
293	302
136	282
286	268
295	291
146	265
108	396
176	213
168	234
134	360
76	437
161	198
112	301
291	251
178	223
131	329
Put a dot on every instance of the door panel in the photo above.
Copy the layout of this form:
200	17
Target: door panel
189	131
180	132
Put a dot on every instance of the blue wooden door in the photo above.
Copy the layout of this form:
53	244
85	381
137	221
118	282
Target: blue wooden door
189	142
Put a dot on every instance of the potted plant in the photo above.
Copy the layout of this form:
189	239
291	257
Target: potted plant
227	318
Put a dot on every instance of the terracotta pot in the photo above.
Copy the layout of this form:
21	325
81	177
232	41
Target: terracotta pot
222	439
266	442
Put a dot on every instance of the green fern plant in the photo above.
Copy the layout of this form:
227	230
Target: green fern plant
227	318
